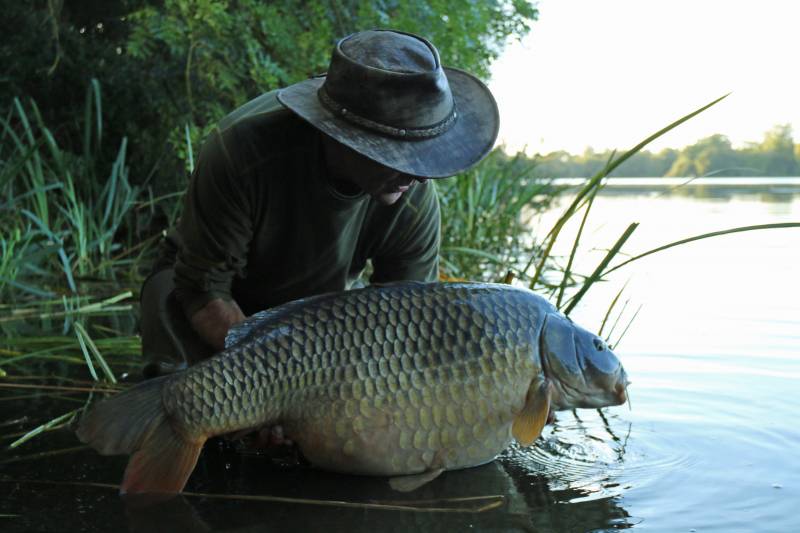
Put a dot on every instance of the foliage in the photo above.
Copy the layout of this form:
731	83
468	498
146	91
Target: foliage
486	214
711	153
65	223
52	49
776	155
69	179
226	52
172	63
62	222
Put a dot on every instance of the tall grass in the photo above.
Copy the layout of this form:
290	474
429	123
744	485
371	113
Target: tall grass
486	216
70	239
62	221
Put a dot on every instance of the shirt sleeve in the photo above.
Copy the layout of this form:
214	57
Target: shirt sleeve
215	228
411	250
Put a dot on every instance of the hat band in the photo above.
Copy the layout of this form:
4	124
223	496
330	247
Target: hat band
426	132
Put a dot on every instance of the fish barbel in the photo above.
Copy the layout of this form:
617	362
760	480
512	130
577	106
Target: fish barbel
405	380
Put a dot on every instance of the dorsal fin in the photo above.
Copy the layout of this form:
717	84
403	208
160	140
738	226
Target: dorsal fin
243	329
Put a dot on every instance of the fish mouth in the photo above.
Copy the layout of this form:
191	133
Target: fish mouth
621	388
621	393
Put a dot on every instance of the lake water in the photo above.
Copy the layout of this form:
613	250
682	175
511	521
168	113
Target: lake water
709	443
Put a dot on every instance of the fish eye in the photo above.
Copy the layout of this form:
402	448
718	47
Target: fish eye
599	345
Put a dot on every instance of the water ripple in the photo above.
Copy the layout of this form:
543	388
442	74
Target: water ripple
593	453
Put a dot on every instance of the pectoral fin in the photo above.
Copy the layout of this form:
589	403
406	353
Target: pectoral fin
413	482
528	423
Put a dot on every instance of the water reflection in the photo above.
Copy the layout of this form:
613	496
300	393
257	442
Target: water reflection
513	497
525	490
776	195
768	190
166	516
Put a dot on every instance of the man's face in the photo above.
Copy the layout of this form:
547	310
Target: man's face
384	184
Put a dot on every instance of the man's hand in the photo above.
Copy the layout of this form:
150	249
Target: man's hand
213	321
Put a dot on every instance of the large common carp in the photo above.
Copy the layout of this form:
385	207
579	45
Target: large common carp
408	379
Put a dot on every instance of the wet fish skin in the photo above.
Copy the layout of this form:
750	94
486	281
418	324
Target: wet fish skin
377	381
396	380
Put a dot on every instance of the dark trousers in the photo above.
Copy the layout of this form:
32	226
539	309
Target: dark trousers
169	342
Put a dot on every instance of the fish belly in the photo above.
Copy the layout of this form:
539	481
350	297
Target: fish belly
439	418
407	438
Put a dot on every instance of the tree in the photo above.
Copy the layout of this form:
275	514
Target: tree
168	64
777	149
50	51
711	154
776	155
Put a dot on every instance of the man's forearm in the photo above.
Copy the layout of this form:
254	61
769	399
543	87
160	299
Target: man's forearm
213	321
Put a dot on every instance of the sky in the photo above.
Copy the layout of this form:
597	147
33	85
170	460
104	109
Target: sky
608	73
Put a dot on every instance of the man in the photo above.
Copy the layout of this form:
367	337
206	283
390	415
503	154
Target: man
296	190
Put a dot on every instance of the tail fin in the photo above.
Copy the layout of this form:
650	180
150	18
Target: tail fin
135	422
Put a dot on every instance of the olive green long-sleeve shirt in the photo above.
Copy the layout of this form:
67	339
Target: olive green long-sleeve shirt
262	224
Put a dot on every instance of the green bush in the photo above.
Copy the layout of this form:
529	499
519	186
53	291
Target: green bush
169	64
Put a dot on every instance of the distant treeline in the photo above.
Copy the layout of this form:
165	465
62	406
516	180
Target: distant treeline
775	155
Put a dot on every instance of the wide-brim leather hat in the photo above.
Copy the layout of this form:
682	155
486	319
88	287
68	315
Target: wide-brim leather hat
387	96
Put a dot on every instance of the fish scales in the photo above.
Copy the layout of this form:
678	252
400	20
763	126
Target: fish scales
391	362
395	380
